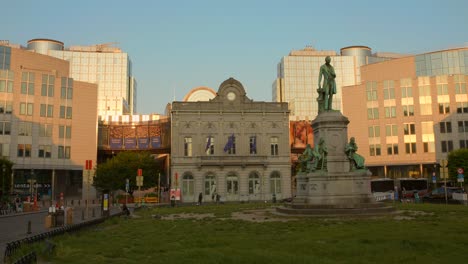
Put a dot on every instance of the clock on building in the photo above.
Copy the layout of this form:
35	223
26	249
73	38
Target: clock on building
231	96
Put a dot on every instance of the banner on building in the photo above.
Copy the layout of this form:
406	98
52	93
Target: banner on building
143	143
301	134
130	143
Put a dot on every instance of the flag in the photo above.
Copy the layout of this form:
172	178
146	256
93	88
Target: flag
253	145
230	143
208	144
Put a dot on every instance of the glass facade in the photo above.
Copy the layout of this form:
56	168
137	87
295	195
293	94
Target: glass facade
112	73
5	57
298	74
442	63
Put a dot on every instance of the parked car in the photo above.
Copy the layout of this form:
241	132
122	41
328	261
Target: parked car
439	194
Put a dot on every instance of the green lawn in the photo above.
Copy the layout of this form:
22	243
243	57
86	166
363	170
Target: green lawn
422	233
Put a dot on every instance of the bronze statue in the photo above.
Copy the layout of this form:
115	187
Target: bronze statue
320	153
357	161
328	89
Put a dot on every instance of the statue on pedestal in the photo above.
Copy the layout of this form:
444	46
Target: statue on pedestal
313	159
328	89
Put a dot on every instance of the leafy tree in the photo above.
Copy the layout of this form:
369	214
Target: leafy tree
457	159
5	181
112	174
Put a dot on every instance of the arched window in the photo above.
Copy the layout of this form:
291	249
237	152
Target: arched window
187	184
254	183
232	184
275	182
210	184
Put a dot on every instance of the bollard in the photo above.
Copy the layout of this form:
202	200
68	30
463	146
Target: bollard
29	227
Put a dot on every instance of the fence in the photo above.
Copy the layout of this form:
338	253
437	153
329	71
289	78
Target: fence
13	246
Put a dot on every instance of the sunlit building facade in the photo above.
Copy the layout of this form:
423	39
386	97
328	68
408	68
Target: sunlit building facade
298	73
47	125
231	146
409	113
107	66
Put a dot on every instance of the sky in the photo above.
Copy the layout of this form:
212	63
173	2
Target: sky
179	45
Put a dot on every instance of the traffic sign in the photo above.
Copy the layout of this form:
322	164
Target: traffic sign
460	170
460	178
140	172
139	181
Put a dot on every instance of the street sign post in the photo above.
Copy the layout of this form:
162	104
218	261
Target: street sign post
88	167
460	177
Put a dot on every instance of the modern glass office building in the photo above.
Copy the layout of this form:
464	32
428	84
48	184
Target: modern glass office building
107	66
298	73
409	113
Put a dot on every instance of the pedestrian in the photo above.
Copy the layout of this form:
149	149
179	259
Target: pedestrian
200	198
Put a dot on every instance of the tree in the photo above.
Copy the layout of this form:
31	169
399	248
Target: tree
457	159
112	174
5	180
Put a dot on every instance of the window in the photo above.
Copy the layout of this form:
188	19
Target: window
253	145
230	146
462	107
406	89
232	184
47	88
429	147
26	109
187	146
447	145
210	184
374	131
65	112
6	107
187	185
274	146
254	183
389	90
442	89
66	90
445	127
460	88
390	112
375	150
391	130
24	150
64	131
44	151
27	83
6	81
47	110
409	129
371	91
25	129
5	128
64	152
410	148
373	113
408	110
45	130
209	149
462	126
275	182
464	143
392	149
444	108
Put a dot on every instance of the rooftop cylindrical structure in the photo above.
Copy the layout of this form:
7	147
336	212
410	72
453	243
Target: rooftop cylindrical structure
359	51
44	45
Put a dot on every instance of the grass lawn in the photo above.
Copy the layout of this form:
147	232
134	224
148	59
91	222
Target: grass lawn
421	233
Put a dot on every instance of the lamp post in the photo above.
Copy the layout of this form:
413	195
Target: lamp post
3	178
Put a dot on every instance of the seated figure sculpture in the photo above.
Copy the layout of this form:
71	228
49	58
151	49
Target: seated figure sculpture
305	159
357	161
320	156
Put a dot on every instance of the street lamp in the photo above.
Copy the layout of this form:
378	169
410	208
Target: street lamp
3	178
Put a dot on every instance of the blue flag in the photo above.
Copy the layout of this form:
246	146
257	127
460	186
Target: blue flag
208	144
230	143
253	145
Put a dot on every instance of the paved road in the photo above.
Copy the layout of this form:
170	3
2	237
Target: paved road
14	227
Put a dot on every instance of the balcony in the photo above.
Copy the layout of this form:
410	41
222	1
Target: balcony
233	160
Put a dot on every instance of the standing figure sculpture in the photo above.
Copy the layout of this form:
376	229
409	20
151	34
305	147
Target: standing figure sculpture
357	161
320	153
328	89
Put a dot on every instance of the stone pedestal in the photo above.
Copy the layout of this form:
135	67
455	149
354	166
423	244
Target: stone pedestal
337	189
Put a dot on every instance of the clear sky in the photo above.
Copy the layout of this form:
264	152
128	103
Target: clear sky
182	44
